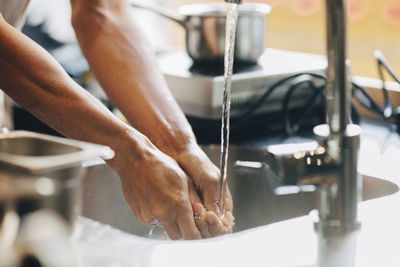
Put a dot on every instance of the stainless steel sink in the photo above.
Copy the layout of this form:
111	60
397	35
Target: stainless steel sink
33	146
254	204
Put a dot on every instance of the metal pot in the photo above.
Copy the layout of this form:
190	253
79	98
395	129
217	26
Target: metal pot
29	160
40	177
205	29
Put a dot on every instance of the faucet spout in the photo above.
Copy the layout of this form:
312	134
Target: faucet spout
234	1
338	83
330	165
339	201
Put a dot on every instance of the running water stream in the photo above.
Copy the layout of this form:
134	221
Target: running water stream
230	32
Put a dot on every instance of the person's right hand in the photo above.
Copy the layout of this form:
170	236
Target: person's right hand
204	183
156	188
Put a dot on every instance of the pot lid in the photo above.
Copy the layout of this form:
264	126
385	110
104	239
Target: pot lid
220	9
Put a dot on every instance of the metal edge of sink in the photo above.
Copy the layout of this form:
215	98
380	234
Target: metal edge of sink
103	200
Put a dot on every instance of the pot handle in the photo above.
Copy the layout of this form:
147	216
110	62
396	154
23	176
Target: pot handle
167	13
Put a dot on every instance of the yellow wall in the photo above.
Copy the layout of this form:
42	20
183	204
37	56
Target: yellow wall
372	25
300	25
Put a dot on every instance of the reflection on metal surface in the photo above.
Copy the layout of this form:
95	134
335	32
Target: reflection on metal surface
255	203
332	165
40	178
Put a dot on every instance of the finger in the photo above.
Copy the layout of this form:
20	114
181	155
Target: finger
128	193
145	217
228	201
194	196
228	221
187	225
139	214
172	230
200	219
211	196
215	225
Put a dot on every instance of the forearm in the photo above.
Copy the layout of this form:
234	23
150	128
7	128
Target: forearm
127	69
125	65
36	81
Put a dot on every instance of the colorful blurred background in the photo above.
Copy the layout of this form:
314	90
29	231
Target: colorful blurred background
372	25
297	25
300	25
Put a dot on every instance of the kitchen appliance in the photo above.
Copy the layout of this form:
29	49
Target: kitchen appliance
204	24
198	88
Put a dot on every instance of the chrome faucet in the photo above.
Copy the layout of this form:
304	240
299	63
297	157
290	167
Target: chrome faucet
340	138
234	1
328	165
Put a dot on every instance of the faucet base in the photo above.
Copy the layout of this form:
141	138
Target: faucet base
339	200
328	228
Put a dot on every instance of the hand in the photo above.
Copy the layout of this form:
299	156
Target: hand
205	178
157	188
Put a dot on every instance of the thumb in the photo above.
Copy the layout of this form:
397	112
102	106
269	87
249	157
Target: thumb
194	196
211	198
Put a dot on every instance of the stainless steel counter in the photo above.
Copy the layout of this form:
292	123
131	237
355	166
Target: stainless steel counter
291	242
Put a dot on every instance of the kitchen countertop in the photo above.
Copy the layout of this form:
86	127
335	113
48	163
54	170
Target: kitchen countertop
288	243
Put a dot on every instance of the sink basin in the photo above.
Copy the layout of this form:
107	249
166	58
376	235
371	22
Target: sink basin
254	204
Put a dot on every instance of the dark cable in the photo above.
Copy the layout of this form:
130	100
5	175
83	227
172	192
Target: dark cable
385	112
355	116
293	127
366	100
253	108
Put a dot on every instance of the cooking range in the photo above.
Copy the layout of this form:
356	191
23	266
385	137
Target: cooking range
198	89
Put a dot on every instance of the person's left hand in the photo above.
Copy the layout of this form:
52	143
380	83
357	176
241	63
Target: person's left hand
204	193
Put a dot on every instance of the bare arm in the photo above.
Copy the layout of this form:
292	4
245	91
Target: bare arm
125	65
35	80
128	71
158	189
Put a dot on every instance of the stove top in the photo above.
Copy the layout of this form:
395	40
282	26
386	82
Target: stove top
198	89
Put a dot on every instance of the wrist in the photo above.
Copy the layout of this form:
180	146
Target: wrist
130	146
197	165
175	143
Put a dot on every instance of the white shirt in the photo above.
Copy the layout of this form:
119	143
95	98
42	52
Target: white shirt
13	11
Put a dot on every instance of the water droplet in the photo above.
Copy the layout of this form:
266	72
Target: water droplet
150	235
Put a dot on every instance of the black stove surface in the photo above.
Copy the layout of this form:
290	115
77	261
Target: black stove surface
208	131
213	69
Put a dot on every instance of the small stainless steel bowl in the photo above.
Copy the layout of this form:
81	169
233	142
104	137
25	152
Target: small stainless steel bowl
204	24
